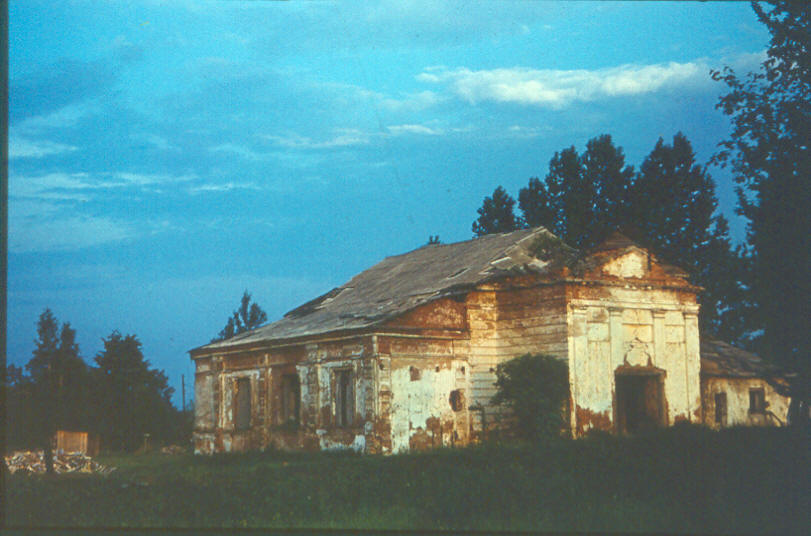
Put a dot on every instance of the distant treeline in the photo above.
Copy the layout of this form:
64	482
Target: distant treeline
121	398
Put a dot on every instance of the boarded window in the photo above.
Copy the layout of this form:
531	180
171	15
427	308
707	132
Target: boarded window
291	399
242	408
720	408
415	374
344	398
757	401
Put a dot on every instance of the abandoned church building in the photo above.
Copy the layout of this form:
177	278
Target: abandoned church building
403	356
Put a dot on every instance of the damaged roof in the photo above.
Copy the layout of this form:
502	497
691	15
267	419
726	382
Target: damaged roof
400	283
721	359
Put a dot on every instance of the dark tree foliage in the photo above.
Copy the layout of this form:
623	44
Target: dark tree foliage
18	409
120	400
57	391
133	399
669	206
249	316
496	214
583	197
674	209
769	153
604	167
536	389
536	205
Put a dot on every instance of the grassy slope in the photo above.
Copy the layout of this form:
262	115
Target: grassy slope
684	480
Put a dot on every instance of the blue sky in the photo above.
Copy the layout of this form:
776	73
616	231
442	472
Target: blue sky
165	156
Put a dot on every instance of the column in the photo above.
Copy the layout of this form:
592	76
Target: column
659	359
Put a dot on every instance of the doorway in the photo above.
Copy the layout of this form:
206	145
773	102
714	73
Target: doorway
640	400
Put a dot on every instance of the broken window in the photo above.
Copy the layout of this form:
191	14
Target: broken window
242	409
344	398
291	397
457	400
720	408
757	401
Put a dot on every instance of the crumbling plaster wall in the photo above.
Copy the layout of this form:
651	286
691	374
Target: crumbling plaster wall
416	388
318	377
622	318
737	395
430	339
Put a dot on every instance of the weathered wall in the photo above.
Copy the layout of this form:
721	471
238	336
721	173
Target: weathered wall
737	395
318	373
626	315
445	313
416	386
628	322
508	319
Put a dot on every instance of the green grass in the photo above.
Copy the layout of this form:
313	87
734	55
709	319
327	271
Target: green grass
684	479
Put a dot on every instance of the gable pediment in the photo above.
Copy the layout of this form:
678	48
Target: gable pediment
633	264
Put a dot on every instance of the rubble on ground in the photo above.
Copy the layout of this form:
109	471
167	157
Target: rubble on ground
27	461
174	449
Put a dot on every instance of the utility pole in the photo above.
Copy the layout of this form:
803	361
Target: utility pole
183	391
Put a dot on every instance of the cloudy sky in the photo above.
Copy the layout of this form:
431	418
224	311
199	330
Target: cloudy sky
166	156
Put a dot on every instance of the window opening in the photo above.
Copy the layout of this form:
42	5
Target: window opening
291	399
242	418
757	401
344	398
720	408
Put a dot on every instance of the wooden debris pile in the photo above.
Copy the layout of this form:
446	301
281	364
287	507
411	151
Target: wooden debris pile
27	461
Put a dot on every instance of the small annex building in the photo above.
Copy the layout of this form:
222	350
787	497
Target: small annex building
403	356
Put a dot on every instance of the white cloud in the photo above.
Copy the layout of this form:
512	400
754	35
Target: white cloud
226	187
559	88
411	102
29	235
414	129
79	186
239	150
25	148
66	116
51	186
342	138
519	131
140	179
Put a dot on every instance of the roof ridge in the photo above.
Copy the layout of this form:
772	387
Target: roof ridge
487	236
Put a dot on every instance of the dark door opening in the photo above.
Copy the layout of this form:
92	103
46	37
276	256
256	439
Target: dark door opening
640	401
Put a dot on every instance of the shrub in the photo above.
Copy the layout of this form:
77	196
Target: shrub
536	389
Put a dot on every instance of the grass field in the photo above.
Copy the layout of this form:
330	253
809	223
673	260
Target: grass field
684	479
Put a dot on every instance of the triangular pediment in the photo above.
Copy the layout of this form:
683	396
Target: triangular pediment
619	257
634	263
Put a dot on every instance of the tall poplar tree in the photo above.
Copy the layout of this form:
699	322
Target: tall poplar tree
58	381
769	152
583	197
675	211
